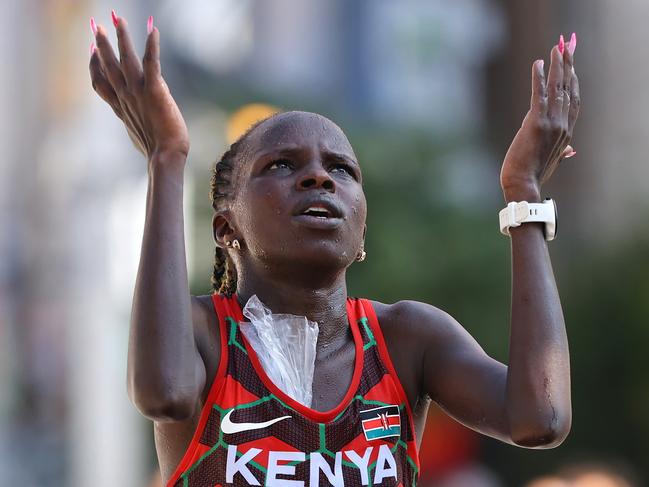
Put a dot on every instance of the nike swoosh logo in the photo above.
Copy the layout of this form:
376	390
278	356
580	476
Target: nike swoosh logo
229	428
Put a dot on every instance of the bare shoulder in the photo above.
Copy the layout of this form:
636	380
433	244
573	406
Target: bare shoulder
422	338
415	320
427	332
412	330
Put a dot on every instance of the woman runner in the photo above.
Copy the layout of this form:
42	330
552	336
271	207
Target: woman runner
289	220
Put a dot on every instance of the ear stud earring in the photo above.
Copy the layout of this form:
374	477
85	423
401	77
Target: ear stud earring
233	243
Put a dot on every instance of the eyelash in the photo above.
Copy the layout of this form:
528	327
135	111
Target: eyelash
277	161
347	169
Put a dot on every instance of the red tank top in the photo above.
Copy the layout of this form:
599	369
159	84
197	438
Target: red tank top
251	433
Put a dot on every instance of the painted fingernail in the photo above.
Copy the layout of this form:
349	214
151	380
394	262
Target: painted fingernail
572	45
93	26
114	17
570	154
149	25
92	48
562	44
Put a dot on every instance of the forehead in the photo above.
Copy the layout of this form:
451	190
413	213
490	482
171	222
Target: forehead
298	129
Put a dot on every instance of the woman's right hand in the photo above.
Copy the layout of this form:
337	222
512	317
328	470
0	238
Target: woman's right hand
137	93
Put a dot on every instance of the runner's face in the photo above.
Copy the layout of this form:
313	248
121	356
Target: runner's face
299	195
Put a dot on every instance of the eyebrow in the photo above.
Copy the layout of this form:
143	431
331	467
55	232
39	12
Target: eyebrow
340	157
295	151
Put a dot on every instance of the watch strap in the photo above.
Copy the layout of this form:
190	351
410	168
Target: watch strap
518	212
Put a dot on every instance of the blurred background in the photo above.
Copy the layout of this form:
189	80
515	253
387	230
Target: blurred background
430	93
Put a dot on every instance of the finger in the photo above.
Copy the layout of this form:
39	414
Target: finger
555	102
109	62
130	62
152	55
100	84
539	102
105	90
568	152
567	75
575	101
555	85
572	45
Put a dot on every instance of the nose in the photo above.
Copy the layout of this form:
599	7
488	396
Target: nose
316	176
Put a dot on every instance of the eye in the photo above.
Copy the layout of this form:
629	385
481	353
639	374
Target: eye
345	169
279	164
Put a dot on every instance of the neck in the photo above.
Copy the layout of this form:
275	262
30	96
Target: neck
318	295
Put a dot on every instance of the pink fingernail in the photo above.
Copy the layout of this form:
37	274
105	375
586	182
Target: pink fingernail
93	26
114	17
562	44
149	25
571	154
572	45
92	48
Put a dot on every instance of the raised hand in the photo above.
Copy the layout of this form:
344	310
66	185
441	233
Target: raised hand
136	91
542	141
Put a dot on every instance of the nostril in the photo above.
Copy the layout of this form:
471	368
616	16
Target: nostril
307	183
328	185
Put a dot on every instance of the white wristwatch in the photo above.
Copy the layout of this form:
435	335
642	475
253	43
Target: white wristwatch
518	212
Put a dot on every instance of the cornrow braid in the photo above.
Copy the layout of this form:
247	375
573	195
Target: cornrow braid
224	276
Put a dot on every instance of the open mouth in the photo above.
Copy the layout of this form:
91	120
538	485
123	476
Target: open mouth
317	211
320	215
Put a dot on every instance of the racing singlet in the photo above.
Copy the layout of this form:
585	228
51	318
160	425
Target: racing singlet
251	433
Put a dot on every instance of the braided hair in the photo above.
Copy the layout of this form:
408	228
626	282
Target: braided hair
224	276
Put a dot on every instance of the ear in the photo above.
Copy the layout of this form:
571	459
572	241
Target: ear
222	230
364	233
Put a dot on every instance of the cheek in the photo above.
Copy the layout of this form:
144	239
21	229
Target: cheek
359	209
256	201
356	220
259	211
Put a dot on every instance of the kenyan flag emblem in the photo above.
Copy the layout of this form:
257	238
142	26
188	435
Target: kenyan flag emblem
381	422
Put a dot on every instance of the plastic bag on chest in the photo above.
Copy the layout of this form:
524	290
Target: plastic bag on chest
286	347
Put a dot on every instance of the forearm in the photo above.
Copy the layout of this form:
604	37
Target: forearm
538	380
163	377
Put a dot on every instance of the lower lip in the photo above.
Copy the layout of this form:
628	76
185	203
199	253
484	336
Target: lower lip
318	222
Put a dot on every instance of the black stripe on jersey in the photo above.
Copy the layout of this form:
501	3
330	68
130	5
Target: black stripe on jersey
376	412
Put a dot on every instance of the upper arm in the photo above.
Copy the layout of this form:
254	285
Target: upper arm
457	373
166	379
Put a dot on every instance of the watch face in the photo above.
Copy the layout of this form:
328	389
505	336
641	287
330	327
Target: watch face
551	229
556	219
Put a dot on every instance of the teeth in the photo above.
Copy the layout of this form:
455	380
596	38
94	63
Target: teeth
317	209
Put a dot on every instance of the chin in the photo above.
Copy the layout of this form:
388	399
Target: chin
335	259
317	257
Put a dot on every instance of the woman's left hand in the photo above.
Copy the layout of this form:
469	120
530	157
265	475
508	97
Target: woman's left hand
542	141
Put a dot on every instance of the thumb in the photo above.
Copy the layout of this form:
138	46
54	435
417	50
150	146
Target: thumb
568	152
